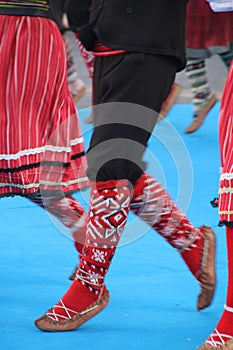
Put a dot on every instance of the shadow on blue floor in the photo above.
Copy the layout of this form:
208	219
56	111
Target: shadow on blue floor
153	295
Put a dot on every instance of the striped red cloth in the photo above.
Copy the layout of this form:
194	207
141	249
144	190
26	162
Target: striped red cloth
41	144
206	28
226	151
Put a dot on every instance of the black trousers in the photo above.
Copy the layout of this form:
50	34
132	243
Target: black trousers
129	90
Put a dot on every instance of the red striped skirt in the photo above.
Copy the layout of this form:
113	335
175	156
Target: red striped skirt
226	151
41	146
207	30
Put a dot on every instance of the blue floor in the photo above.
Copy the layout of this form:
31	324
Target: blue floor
153	295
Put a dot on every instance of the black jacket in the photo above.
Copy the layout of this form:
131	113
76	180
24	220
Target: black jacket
148	26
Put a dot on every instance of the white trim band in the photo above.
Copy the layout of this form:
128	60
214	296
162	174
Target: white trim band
228	308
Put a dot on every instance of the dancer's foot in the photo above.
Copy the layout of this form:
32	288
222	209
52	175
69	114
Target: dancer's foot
222	337
62	318
217	341
201	261
200	117
207	276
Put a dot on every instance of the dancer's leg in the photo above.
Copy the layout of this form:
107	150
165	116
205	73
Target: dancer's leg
203	99
153	205
108	213
69	212
224	330
227	57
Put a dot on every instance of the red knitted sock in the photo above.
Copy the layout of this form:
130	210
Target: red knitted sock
152	203
193	255
108	212
87	56
88	284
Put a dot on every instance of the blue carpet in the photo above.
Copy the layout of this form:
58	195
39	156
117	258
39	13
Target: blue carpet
153	295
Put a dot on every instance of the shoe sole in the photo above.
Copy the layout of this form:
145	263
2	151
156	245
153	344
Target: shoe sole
207	277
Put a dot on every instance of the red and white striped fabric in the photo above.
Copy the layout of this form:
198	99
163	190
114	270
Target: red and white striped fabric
41	144
226	151
87	56
202	27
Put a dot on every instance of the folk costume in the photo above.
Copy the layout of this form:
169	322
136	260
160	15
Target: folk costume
134	67
222	336
203	40
42	153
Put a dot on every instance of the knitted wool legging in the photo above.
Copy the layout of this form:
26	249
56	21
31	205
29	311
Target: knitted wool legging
197	76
